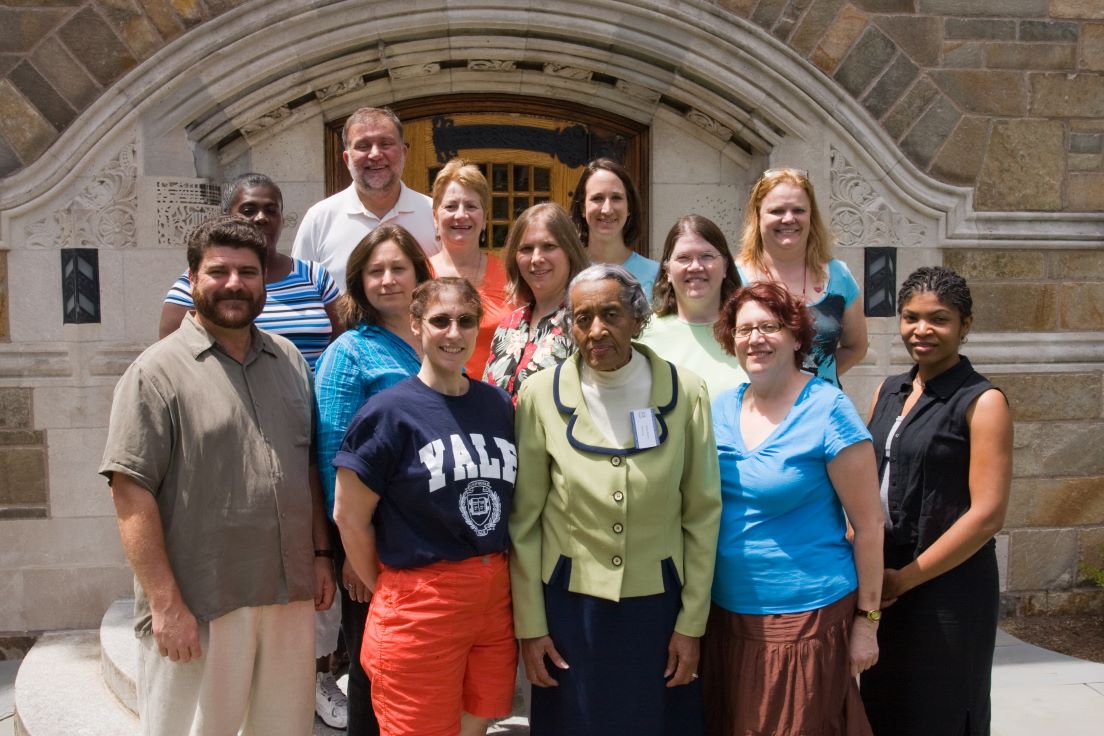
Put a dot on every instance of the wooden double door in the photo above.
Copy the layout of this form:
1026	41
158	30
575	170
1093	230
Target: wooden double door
530	150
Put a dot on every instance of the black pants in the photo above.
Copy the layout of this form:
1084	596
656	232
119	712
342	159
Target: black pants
362	719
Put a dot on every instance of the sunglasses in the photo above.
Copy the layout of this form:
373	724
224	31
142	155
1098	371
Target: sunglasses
784	170
442	321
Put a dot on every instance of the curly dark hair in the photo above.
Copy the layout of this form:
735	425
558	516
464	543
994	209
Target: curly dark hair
228	231
776	299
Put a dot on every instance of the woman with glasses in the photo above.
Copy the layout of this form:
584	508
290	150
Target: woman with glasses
785	241
425	479
461	197
795	604
377	350
944	439
696	275
607	213
543	254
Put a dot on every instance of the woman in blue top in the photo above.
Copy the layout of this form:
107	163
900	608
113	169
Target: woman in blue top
795	611
607	212
785	241
377	351
301	297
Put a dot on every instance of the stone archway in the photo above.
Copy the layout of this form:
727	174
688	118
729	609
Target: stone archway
723	99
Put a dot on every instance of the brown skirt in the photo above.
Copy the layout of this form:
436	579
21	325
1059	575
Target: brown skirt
781	674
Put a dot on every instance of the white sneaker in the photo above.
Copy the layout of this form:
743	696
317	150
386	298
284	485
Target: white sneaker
330	703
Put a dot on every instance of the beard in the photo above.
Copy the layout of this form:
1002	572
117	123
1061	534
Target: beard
209	307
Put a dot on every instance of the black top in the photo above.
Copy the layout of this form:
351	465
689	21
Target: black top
929	457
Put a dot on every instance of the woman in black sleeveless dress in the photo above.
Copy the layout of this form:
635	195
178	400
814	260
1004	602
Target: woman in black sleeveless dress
943	434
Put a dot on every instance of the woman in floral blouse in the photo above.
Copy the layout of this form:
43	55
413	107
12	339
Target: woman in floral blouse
543	253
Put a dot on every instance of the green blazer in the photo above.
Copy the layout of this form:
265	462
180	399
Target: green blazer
616	512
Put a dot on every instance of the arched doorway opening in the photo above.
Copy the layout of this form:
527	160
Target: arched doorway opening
531	149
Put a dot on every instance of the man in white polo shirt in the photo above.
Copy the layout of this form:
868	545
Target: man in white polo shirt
375	154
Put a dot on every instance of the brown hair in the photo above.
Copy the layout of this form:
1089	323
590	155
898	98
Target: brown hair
430	291
353	306
632	232
228	231
818	248
556	219
663	294
365	114
774	297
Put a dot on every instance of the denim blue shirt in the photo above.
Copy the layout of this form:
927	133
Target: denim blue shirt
359	364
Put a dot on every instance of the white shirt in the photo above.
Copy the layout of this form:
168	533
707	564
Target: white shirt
332	228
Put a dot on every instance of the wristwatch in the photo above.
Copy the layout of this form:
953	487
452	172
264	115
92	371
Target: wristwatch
875	615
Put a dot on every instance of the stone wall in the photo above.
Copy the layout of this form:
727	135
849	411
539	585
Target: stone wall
1003	95
1056	514
727	89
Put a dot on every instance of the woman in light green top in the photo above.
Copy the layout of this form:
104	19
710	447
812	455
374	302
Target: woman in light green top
696	275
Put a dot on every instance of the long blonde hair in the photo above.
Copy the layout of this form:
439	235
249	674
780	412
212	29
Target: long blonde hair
818	249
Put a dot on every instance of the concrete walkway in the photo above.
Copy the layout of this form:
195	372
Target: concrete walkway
1035	693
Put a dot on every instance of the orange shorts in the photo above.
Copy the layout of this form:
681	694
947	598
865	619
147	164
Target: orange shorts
440	641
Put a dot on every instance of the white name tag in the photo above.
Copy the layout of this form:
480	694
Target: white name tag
644	428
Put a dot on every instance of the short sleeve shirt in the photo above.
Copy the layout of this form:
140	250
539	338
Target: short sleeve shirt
443	467
295	306
783	543
331	229
224	447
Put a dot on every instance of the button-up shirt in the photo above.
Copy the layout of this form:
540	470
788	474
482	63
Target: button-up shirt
224	447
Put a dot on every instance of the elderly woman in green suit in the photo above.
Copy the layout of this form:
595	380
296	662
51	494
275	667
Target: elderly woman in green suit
614	527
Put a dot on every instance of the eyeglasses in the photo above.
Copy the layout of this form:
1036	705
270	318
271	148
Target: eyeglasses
765	328
442	321
705	259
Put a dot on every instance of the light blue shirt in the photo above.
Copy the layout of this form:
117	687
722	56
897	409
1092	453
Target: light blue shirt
783	545
644	269
359	364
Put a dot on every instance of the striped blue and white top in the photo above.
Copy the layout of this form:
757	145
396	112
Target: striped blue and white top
295	307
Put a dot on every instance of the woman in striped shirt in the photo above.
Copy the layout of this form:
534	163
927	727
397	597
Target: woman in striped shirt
301	295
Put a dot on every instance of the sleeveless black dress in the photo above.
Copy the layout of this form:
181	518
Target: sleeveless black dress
936	643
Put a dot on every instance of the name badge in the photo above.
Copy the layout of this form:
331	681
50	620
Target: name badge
645	433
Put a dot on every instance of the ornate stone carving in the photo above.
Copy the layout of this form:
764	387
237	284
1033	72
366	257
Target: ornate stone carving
416	70
699	118
860	214
491	65
101	215
567	72
267	120
339	88
637	90
181	205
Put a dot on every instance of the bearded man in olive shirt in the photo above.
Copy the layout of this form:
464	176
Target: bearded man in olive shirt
208	457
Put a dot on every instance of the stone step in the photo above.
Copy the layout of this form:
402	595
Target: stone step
59	690
82	683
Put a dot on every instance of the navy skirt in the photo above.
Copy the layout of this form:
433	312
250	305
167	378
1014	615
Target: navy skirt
617	652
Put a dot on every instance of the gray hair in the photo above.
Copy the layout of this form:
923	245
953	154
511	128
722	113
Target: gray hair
248	181
632	294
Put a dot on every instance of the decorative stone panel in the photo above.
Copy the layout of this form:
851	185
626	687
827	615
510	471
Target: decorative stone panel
861	216
182	204
101	215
